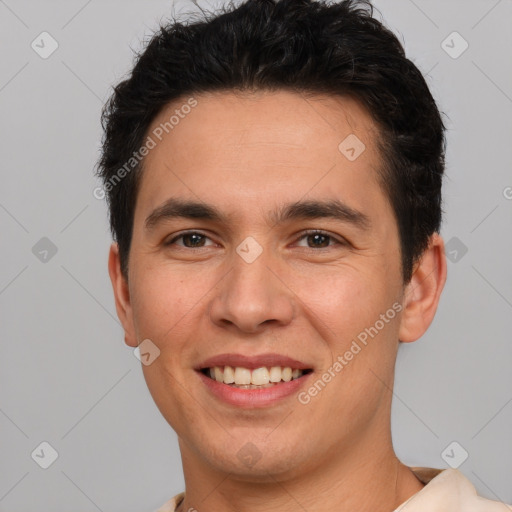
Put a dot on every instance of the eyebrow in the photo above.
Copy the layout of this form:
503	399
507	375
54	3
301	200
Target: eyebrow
309	209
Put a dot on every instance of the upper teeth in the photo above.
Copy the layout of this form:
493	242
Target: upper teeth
258	376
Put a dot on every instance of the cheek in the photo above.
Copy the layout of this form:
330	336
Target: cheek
350	302
169	304
159	301
345	297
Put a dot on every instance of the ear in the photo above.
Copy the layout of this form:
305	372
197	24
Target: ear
122	295
423	292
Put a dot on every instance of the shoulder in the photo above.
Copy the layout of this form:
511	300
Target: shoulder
170	505
448	490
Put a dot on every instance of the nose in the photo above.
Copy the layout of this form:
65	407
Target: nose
253	295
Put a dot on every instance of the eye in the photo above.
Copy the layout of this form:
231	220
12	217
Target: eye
191	240
320	239
317	238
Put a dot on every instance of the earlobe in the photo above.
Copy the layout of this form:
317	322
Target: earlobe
423	292
121	295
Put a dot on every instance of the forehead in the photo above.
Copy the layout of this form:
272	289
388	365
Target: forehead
237	120
261	146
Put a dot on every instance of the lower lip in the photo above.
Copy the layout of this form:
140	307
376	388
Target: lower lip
253	398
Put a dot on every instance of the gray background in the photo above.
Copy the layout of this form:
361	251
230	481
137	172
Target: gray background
66	376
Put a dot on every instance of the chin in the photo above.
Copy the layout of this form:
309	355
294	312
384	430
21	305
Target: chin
258	461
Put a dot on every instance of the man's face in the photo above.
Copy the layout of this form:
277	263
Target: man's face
252	284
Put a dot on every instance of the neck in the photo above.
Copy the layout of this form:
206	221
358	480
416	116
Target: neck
380	482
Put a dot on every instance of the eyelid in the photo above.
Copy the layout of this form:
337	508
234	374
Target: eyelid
303	234
308	232
184	233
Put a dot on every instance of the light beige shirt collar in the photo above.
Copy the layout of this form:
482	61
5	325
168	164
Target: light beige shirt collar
446	490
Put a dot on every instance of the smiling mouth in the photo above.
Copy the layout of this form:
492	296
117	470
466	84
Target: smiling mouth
258	378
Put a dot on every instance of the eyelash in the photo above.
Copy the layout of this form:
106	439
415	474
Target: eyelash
304	234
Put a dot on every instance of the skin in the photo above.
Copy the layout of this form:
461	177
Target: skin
248	154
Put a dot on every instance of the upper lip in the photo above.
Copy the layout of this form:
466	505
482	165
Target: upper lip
252	362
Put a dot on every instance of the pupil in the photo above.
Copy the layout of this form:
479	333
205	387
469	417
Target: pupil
190	236
317	236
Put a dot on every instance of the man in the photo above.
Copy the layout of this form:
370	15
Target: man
274	181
